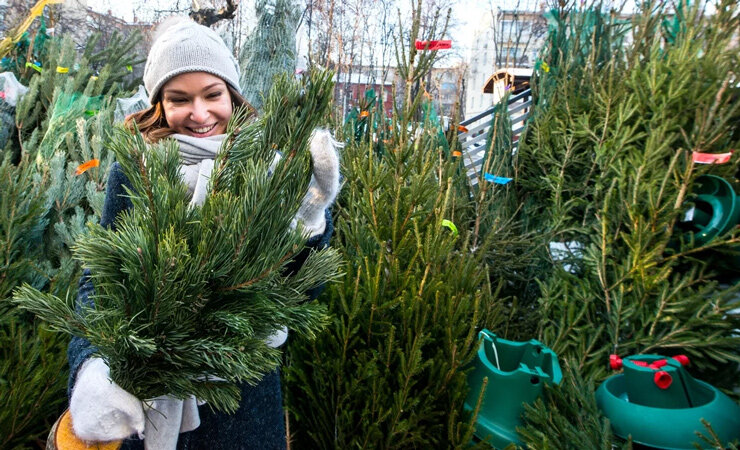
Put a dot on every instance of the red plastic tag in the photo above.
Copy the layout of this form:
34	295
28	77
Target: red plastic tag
433	45
711	158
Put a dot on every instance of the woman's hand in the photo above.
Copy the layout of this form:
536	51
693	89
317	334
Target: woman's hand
324	183
100	409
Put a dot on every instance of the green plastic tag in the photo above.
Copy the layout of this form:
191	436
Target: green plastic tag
34	67
450	225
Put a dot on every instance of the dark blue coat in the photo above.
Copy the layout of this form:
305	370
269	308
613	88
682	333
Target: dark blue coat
259	422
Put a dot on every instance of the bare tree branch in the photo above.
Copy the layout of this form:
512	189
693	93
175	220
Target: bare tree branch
209	16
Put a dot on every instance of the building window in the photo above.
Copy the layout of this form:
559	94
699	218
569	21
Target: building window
510	29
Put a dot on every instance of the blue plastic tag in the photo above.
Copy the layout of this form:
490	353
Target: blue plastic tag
494	179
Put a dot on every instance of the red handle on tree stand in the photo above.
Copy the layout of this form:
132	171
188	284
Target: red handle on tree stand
655	365
663	379
683	359
615	362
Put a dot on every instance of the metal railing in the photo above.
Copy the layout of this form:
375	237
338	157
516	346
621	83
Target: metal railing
473	141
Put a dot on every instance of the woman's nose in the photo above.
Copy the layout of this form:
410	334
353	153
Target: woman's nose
199	112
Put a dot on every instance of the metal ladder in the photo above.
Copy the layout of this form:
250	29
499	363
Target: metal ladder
473	141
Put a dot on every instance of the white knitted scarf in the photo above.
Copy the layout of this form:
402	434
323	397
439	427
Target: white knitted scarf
197	156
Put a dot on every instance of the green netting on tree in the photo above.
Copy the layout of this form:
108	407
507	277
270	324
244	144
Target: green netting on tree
63	120
270	49
433	125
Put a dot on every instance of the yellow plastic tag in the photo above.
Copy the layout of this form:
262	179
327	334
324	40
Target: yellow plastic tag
61	69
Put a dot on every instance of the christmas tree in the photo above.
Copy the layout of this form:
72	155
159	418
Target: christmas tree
270	49
389	372
606	169
59	124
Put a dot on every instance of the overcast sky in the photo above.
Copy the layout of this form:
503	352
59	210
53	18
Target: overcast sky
467	14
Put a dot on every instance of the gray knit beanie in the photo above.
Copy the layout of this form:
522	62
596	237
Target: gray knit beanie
181	46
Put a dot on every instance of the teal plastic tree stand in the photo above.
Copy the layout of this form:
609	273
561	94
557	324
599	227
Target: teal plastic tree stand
659	404
516	373
716	210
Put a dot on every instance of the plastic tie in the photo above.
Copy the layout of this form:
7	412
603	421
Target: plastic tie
496	179
34	66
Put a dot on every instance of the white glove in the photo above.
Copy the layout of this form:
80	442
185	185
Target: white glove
167	417
324	183
100	410
277	338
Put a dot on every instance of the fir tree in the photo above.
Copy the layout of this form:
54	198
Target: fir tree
566	418
389	372
606	164
61	122
270	49
32	390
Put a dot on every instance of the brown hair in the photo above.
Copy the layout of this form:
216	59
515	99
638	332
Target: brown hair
153	125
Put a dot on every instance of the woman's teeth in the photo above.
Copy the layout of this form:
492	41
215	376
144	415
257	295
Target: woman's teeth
204	129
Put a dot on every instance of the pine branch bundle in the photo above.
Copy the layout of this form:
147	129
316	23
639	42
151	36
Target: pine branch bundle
607	163
185	294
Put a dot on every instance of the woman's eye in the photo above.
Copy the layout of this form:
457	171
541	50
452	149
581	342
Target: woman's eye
178	100
214	94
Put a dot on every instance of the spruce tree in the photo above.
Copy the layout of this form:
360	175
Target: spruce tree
186	293
59	124
606	165
389	371
270	49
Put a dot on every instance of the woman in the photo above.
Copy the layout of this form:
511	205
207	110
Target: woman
193	85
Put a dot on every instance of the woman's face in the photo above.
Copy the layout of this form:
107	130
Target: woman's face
197	104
